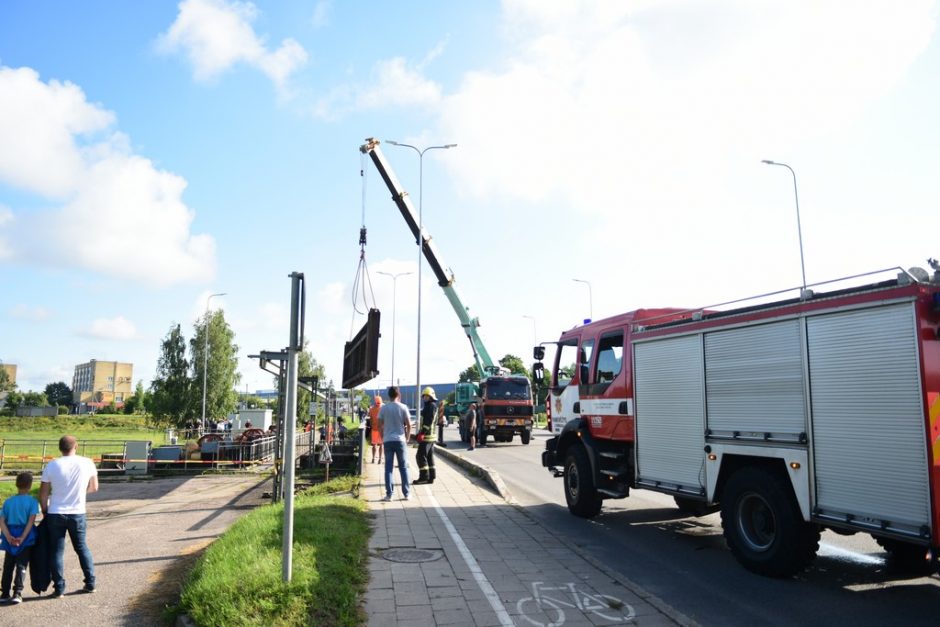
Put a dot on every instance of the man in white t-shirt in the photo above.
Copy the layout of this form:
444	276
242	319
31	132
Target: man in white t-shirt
69	478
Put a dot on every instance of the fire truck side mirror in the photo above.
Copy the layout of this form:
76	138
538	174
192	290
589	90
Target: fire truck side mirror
538	373
538	353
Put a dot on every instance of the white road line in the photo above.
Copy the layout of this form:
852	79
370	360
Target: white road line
504	619
830	549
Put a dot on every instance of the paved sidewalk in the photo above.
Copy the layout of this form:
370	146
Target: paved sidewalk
488	563
138	531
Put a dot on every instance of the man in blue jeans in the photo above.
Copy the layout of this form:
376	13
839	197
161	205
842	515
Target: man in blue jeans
69	478
395	423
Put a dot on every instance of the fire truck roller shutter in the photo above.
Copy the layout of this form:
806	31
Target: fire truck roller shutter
670	417
868	417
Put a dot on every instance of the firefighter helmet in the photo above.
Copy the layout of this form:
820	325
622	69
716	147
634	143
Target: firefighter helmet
429	391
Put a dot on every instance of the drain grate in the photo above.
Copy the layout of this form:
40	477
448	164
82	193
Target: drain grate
411	556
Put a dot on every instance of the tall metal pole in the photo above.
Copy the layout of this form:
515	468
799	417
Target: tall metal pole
590	296
394	308
290	426
205	362
421	241
799	228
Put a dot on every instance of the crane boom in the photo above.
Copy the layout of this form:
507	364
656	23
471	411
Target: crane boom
444	275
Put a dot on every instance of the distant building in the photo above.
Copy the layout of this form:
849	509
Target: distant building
11	371
97	384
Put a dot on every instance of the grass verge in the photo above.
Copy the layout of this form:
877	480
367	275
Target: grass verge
238	579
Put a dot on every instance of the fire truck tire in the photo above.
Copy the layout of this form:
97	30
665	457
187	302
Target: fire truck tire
763	525
580	493
525	436
910	558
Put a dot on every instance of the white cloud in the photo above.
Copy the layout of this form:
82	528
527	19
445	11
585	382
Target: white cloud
625	99
393	83
26	312
117	328
215	35
129	216
40	124
321	13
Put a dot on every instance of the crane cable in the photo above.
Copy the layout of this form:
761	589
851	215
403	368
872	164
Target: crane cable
362	280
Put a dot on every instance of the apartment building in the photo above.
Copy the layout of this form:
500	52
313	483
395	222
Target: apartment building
99	383
11	371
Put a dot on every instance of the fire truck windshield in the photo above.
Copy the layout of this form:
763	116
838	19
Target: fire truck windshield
507	389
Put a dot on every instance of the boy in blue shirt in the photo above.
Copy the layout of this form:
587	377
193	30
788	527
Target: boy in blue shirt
17	522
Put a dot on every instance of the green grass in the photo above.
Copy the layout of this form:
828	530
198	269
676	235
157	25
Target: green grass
99	427
21	438
238	580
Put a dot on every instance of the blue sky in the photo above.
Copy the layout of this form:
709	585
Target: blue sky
155	153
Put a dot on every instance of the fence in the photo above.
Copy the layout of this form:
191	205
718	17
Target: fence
108	455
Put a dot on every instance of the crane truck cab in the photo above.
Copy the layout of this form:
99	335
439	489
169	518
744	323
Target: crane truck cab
506	409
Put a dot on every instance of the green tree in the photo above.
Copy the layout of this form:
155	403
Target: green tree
14	399
170	390
59	394
307	366
34	399
471	374
222	376
137	402
513	364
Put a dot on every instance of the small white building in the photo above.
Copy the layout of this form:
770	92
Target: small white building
259	419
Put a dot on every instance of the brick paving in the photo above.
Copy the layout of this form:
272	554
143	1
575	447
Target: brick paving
490	564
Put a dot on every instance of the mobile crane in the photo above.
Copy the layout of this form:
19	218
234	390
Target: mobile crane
506	400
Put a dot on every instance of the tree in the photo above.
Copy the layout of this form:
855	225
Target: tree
222	376
170	390
14	399
34	399
137	402
514	364
59	394
471	374
307	366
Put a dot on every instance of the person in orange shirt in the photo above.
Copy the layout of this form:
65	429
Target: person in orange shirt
376	438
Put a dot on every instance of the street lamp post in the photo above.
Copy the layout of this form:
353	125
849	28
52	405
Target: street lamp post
590	296
420	243
799	229
535	340
205	360
394	307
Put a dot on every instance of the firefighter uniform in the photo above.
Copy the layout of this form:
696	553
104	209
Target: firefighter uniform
425	437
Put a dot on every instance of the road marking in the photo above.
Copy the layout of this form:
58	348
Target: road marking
605	607
504	619
830	549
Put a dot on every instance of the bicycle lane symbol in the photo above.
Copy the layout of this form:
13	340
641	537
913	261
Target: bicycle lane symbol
551	602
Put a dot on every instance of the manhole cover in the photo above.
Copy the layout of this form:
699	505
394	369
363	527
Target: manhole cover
411	556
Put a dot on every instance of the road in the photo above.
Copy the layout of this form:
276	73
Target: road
684	560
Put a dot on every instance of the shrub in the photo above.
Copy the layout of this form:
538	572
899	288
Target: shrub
63	410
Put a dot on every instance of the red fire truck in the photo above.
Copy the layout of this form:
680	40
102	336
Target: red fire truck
820	411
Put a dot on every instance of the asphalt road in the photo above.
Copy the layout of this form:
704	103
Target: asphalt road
684	560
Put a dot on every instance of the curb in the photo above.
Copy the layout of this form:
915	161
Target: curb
488	474
493	478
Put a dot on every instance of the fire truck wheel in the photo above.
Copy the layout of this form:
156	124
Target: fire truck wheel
526	436
580	492
906	557
763	525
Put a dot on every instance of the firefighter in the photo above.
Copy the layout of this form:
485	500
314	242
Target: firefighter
425	437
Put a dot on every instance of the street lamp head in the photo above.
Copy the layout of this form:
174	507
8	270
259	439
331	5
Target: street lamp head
449	146
768	162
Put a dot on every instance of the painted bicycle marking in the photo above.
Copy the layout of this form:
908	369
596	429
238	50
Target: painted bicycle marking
551	601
